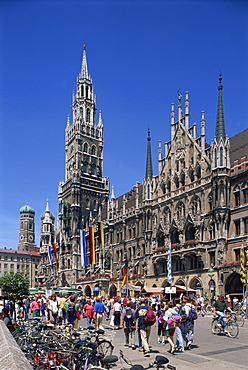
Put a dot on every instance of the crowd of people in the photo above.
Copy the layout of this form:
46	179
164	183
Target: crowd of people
174	319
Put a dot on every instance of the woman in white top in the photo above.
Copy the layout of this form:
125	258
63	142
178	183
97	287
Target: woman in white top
117	314
53	309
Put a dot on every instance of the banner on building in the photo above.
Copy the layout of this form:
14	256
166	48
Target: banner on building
101	234
169	273
125	273
49	252
83	248
92	246
56	256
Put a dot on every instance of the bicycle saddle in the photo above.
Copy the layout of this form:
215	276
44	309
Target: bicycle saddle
161	360
137	367
100	331
109	359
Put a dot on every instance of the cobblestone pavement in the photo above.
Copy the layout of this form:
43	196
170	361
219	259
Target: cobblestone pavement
208	351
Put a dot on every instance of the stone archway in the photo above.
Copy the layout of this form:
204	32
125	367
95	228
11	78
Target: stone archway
180	282
233	284
87	291
196	284
113	291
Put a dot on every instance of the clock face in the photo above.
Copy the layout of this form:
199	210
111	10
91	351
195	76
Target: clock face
30	238
21	237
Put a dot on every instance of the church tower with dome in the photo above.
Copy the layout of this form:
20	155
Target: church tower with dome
27	229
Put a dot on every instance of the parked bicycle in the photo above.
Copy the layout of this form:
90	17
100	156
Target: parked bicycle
159	363
232	328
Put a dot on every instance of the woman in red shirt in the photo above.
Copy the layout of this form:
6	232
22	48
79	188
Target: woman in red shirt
35	307
88	311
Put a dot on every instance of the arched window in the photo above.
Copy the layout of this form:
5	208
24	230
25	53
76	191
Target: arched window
191	174
221	156
176	181
236	193
87	91
182	178
198	172
215	157
85	147
87	203
82	90
148	191
88	115
93	169
175	237
85	167
190	233
93	150
169	185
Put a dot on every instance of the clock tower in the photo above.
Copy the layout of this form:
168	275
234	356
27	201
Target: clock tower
27	229
85	189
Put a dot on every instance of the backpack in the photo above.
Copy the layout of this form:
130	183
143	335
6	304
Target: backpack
193	314
161	317
71	312
149	318
128	318
182	313
175	319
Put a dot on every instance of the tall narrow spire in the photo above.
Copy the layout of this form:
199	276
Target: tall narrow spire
220	123
84	69
149	172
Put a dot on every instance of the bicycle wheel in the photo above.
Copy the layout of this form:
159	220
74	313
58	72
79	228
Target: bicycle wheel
105	347
240	320
215	328
232	329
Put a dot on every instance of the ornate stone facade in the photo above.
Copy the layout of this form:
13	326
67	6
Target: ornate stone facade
197	205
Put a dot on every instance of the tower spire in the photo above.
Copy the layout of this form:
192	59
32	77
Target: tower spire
149	172
84	69
220	123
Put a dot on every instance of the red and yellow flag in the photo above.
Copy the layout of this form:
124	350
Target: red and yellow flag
101	234
125	272
92	246
242	265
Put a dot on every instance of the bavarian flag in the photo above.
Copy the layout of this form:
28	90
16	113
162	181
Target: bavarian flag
242	265
92	245
125	271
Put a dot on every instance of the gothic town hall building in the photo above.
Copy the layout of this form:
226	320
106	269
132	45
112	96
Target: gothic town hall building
197	205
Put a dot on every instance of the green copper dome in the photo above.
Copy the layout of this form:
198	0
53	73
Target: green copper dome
50	214
27	209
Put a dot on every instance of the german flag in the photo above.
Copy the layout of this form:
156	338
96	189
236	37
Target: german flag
92	246
125	272
242	265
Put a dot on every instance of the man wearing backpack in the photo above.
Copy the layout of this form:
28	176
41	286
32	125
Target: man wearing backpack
128	324
71	311
145	329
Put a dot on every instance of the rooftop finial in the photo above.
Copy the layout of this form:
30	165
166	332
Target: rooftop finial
84	45
179	98
220	123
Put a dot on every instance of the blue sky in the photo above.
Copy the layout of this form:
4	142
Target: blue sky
139	53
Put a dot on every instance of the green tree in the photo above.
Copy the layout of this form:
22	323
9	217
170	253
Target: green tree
14	286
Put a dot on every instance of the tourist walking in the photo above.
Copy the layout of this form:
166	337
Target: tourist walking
145	330
187	327
53	309
128	325
117	313
99	309
88	311
35	307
